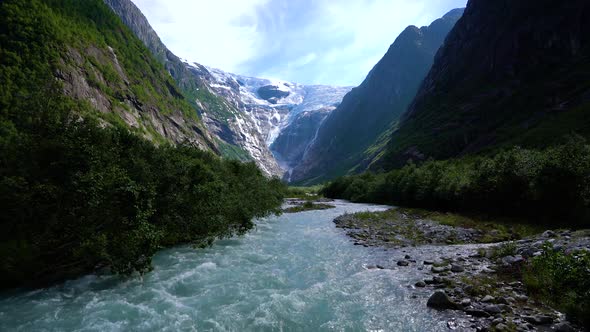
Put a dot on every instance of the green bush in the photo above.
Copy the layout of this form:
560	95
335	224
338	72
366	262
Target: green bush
562	280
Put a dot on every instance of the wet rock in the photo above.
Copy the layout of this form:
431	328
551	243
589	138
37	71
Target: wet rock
466	302
539	320
403	263
420	284
452	325
563	327
438	269
428	262
498	321
549	233
502	327
407	257
492	309
487	299
477	313
441	301
380	267
457	268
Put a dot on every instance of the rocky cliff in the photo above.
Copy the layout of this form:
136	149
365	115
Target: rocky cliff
369	110
510	72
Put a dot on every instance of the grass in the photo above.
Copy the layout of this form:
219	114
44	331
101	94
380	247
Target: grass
495	230
306	193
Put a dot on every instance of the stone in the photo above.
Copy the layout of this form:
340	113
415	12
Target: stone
441	301
487	299
497	321
502	300
539	320
457	268
428	262
438	269
563	327
549	233
492	309
466	302
407	257
501	327
420	284
380	267
403	263
477	313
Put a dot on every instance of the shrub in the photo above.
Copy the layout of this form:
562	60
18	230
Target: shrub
562	280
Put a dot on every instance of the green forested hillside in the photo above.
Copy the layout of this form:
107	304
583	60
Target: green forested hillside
82	188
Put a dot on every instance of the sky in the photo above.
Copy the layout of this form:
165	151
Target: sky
334	42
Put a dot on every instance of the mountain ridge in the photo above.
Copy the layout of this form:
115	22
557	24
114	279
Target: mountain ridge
485	89
372	108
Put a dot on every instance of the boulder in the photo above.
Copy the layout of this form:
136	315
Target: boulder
441	301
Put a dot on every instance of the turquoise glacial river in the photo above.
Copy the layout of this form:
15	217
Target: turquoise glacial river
296	272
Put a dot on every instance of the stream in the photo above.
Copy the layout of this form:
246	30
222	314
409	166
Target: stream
295	272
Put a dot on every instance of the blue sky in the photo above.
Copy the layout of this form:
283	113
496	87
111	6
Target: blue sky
305	41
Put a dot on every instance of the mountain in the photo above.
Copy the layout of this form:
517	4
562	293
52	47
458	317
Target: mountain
371	109
244	114
294	140
510	72
113	74
271	107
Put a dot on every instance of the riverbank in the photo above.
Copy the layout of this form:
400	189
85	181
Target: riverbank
485	285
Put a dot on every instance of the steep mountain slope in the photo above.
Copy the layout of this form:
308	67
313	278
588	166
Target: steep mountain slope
294	140
244	114
371	109
510	72
193	81
112	73
268	107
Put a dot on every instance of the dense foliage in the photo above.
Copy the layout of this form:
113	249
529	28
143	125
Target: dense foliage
553	184
562	280
78	193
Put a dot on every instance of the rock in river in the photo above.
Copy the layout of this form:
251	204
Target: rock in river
441	301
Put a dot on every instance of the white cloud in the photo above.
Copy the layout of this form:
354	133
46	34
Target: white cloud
220	32
306	41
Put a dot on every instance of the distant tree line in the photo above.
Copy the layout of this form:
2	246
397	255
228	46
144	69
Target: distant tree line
551	184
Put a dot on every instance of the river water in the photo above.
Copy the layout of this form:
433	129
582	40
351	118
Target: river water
296	272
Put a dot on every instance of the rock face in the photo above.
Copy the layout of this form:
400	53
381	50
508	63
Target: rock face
106	76
369	110
510	72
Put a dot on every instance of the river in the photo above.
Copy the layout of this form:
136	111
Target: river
295	272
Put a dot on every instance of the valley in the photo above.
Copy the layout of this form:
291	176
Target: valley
449	190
